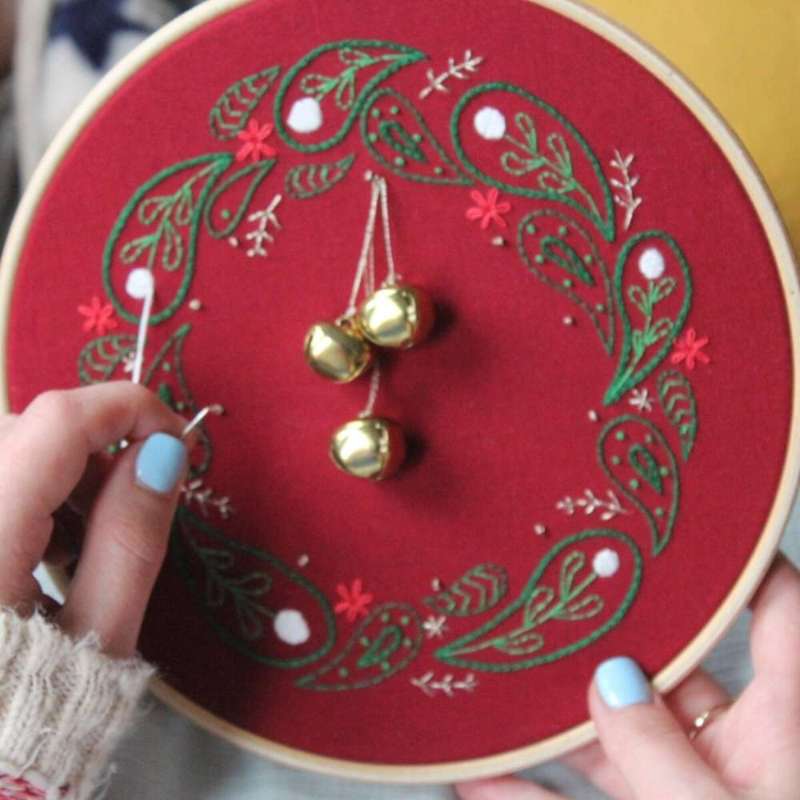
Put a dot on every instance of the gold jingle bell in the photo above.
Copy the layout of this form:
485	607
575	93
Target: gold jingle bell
396	316
338	352
368	448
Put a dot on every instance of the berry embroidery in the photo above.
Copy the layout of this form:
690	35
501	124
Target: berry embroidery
99	316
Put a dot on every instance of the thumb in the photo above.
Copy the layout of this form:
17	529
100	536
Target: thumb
642	738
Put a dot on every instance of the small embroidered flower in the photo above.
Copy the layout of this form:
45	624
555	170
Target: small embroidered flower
640	400
99	317
128	363
354	601
689	349
254	138
435	627
488	209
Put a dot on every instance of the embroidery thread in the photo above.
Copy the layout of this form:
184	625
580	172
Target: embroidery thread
461	71
232	111
477	591
448	685
677	401
311	180
625	197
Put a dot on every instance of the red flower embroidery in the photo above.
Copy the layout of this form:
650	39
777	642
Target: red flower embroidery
488	209
99	317
254	138
689	349
354	601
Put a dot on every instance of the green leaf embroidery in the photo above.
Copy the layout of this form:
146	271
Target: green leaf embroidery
679	406
342	88
382	645
475	592
229	192
232	111
158	228
233	582
516	638
646	342
100	358
564	170
562	254
310	180
397	136
638	459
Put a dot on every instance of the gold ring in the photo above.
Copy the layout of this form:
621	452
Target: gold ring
700	723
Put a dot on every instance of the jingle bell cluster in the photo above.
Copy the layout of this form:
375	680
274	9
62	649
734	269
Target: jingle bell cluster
395	317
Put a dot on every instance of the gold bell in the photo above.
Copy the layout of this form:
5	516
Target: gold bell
368	448
338	352
396	316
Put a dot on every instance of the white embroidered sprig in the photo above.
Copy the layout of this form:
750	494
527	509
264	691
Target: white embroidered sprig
435	627
260	234
590	503
625	197
204	498
447	686
436	83
640	400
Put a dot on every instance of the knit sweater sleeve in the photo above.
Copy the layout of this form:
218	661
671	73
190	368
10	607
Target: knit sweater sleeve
64	706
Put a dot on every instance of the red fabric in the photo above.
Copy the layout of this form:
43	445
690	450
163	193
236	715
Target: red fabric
499	396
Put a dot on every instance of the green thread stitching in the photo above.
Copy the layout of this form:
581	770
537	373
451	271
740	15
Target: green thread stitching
534	602
605	226
261	169
635	343
660	539
396	622
478	590
446	171
187	211
122	344
233	109
403	56
188	521
310	180
641	459
677	401
590	259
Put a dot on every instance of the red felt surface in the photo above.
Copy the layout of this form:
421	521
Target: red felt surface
498	397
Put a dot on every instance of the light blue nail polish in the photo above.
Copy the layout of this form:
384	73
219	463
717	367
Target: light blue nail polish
622	683
160	462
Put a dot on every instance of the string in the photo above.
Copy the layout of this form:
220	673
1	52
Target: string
374	386
391	278
369	238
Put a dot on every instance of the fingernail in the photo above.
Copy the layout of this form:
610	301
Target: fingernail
160	462
622	683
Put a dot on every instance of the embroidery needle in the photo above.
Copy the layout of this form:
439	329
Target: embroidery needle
200	416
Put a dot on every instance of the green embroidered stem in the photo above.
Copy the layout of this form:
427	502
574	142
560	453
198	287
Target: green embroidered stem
96	364
383	644
637	458
524	645
559	251
259	171
677	401
398	138
232	111
356	55
166	215
554	172
310	180
475	592
189	537
640	342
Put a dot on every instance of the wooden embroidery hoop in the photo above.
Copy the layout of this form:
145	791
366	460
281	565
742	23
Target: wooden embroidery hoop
762	555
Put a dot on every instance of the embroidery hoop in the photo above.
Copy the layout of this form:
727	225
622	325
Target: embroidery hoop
761	555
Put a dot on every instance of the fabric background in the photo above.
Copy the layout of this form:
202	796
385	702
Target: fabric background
774	72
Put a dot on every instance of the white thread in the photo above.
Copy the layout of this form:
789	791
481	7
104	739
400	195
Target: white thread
569	320
539	529
200	416
448	685
651	264
605	563
195	304
369	236
436	83
392	277
498	241
141	286
435	627
590	503
593	415
290	626
305	115
303	560
261	234
626	199
374	387
490	123
640	400
203	496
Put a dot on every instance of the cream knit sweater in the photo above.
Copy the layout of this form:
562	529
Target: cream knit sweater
64	706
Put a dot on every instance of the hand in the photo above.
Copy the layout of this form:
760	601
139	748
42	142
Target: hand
750	751
55	454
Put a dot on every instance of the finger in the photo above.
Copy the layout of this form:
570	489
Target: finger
775	629
504	789
642	737
697	694
44	455
125	542
65	542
